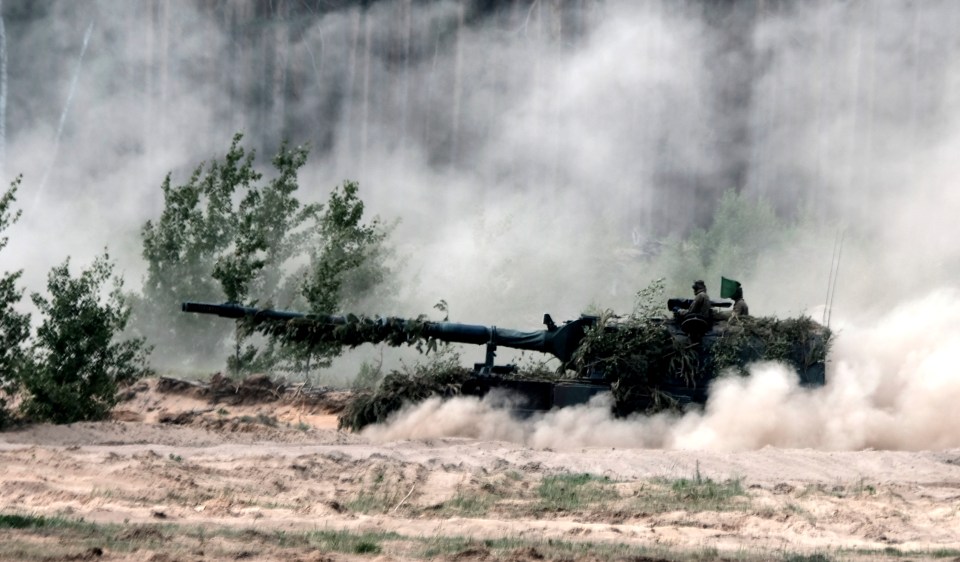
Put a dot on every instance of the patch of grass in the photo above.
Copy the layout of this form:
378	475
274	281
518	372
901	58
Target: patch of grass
470	505
176	458
16	521
262	419
439	546
894	552
365	547
698	493
864	489
807	558
706	490
27	538
800	511
371	502
571	492
514	548
104	492
376	497
514	475
351	543
266	420
838	490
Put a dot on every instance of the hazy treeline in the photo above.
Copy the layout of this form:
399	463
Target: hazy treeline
352	78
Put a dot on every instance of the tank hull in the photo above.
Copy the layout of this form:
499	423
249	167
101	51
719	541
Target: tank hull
664	384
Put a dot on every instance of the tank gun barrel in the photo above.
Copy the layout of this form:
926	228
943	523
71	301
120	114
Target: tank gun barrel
560	342
685	303
236	311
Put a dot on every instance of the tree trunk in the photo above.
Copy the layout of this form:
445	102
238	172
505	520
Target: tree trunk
457	85
281	56
3	98
365	117
346	150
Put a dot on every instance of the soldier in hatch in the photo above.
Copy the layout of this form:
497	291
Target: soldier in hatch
740	308
700	305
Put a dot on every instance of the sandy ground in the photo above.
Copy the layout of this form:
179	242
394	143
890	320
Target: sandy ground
190	473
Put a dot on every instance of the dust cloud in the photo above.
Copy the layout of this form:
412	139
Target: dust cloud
890	385
530	154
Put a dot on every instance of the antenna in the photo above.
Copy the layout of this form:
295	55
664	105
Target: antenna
832	278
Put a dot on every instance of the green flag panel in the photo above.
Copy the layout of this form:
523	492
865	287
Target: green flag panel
728	287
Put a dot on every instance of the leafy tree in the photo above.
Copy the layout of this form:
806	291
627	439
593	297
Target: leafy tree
221	236
272	228
347	264
14	326
76	362
348	261
196	228
225	236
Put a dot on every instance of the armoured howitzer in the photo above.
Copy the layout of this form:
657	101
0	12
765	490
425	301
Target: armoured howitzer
646	364
560	341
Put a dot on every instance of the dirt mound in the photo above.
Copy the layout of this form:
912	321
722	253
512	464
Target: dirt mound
174	386
223	404
256	389
251	391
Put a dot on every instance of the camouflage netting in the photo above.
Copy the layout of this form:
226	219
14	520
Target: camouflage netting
397	389
800	342
353	331
652	366
633	356
442	376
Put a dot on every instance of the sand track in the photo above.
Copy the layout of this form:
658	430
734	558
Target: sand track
279	467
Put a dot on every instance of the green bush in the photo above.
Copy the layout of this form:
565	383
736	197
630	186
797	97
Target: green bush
14	326
76	363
